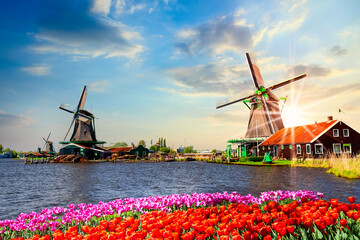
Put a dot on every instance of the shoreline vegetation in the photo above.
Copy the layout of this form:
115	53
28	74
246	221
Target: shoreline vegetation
286	215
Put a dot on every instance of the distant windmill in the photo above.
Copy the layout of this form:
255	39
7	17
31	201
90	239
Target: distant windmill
48	146
265	115
84	129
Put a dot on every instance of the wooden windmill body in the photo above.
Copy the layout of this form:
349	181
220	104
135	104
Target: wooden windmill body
265	115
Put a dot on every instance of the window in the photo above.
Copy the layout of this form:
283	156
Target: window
346	132
347	147
263	148
337	148
282	146
290	146
318	148
268	147
335	132
308	149
298	149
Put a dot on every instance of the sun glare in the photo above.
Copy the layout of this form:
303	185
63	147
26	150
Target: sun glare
292	116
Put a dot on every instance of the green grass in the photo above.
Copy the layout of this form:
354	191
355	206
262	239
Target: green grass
260	163
340	166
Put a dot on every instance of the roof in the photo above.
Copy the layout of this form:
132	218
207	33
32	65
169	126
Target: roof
299	134
120	149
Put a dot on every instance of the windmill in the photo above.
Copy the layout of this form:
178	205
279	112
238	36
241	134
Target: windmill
265	115
48	146
82	143
84	129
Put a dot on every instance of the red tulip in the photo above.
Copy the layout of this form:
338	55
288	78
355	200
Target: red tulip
343	222
351	199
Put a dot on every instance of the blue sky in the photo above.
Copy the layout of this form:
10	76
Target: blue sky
159	68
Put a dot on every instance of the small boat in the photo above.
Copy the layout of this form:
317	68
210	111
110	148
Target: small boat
169	159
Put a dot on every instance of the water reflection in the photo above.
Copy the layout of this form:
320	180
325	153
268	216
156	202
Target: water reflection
27	188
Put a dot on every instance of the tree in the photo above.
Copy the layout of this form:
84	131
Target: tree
213	151
164	142
165	149
1	148
155	148
142	143
120	144
189	149
14	154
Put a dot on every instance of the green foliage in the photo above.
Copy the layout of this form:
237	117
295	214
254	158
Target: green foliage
142	143
251	159
189	149
165	149
1	148
155	148
119	144
213	151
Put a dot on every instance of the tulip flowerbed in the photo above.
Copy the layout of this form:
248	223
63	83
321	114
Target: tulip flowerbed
273	215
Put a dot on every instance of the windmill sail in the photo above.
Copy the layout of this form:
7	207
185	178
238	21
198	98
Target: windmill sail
255	72
265	114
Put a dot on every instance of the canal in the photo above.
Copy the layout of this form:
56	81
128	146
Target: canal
32	187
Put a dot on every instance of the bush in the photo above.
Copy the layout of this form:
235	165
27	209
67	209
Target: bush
251	159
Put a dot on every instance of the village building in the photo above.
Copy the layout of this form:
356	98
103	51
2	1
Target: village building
316	140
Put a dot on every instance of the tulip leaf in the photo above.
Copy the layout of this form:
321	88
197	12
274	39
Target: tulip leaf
318	234
303	234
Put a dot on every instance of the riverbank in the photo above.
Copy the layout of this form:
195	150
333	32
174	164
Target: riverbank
340	166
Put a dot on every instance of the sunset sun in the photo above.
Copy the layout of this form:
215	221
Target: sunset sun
293	116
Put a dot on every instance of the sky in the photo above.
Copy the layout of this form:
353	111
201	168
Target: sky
159	68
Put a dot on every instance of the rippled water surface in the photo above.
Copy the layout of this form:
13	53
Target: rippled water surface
32	187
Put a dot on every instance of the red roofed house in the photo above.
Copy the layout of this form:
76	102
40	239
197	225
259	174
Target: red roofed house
312	141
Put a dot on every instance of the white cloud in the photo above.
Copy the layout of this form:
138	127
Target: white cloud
217	78
101	7
100	86
296	13
89	37
11	120
37	70
136	7
217	36
151	10
119	6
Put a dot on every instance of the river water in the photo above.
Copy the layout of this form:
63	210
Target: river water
32	187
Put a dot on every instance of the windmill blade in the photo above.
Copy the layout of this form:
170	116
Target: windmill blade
297	78
66	110
48	137
44	145
82	99
72	122
255	72
235	101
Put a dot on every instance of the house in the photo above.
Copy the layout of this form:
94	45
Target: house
89	152
313	141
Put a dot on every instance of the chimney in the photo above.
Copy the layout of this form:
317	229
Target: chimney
330	118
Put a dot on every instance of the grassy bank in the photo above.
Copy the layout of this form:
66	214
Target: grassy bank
341	166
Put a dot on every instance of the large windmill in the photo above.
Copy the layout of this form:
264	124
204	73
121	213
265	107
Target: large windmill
49	146
265	115
83	139
84	128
